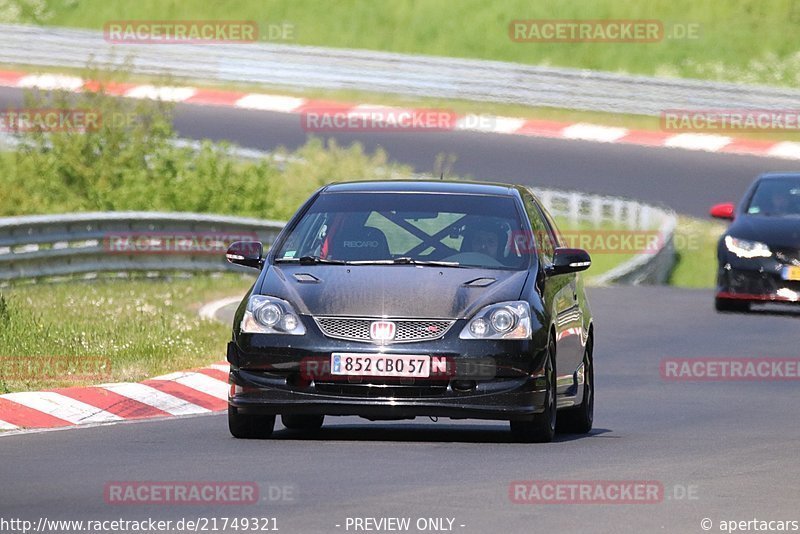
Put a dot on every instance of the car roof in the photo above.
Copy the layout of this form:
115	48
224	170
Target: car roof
422	186
778	175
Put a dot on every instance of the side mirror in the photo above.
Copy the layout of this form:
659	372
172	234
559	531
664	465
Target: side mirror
247	253
569	260
723	211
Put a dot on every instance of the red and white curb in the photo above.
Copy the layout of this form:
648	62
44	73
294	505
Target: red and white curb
195	392
200	391
487	124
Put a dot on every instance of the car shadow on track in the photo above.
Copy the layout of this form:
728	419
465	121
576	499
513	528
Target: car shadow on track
421	433
777	310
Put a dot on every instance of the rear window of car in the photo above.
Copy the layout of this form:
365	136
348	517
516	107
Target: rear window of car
471	230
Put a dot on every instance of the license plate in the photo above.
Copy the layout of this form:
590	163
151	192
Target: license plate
359	364
791	273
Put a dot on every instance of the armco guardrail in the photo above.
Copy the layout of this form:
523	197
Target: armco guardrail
86	244
55	246
425	76
645	267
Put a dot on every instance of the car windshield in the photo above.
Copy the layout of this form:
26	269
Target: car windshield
776	197
447	230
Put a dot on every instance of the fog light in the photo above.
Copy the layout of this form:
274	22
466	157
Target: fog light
478	327
290	322
464	385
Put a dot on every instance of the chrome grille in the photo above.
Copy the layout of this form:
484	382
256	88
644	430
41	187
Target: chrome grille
406	330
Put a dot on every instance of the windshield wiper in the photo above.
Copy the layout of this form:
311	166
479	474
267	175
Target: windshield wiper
405	260
310	260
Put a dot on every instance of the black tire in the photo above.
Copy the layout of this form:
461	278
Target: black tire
542	427
731	305
249	426
302	422
579	419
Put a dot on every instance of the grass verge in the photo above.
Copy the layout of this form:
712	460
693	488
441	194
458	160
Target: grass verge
125	330
737	40
696	248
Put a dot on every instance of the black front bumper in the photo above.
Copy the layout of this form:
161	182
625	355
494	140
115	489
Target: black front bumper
755	280
267	377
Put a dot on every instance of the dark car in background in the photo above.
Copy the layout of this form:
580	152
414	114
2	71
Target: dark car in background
396	299
759	254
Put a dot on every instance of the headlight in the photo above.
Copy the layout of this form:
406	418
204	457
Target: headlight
504	320
747	249
269	315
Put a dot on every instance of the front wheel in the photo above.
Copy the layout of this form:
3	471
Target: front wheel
543	426
578	420
249	426
731	305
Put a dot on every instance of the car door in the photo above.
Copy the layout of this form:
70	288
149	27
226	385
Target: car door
560	293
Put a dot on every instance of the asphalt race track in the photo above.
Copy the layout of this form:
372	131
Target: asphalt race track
720	450
689	182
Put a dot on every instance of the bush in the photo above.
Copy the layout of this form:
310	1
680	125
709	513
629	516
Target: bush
131	162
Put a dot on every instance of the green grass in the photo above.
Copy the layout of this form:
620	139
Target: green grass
142	328
751	41
696	246
603	259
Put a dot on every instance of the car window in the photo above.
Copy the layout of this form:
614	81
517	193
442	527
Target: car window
558	239
542	235
471	230
776	197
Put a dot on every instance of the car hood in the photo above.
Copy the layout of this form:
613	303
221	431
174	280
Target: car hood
781	232
391	290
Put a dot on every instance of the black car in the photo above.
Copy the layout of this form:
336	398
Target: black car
396	299
759	254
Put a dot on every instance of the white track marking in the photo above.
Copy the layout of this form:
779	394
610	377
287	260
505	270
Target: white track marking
206	384
63	407
489	124
7	426
155	398
691	141
284	104
785	149
209	310
167	94
593	132
51	82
